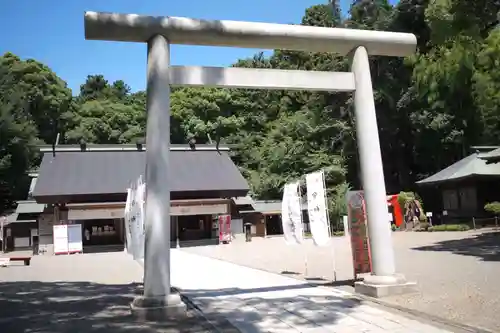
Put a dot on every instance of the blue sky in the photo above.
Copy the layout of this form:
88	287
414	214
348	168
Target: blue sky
51	31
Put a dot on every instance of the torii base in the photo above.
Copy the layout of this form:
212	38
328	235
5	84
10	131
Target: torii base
158	309
383	286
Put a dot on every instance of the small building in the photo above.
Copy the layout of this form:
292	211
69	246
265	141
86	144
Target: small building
20	229
461	190
265	217
88	184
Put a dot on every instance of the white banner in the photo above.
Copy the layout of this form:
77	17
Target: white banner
134	219
126	217
291	214
316	208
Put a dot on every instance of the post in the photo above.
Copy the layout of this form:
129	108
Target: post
473	223
496	222
372	174
157	301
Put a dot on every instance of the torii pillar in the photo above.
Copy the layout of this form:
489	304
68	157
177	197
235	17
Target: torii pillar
159	32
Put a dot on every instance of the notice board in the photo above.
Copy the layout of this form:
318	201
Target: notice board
60	233
75	244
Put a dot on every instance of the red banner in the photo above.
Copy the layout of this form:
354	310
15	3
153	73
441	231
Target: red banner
359	234
224	228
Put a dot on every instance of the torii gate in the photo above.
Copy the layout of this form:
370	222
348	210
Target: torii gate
160	32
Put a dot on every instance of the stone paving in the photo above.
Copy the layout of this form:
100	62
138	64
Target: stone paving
457	272
80	293
258	301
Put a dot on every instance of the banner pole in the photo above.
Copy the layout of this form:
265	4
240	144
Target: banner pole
330	232
302	224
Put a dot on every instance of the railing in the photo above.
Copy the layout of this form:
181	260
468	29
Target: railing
485	222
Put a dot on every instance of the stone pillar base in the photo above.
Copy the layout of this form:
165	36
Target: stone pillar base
382	286
158	308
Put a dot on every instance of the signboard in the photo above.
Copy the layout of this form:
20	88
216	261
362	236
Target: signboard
291	214
45	224
345	223
75	244
60	234
317	209
94	214
224	228
358	231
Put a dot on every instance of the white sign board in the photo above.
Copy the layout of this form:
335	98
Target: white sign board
345	222
60	233
291	214
428	214
316	208
75	244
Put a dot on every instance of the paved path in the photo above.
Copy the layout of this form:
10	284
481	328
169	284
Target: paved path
259	301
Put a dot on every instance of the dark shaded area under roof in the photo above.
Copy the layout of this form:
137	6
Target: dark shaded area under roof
471	166
98	173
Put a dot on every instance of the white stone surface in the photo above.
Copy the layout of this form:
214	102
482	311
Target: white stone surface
259	301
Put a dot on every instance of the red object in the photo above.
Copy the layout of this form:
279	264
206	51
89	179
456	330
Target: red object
356	209
224	228
397	212
221	228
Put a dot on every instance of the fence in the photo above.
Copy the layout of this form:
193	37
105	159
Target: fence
478	223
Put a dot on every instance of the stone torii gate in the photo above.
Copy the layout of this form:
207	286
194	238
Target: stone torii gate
160	32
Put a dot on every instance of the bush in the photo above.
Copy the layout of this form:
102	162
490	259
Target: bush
338	233
493	207
404	197
393	227
449	227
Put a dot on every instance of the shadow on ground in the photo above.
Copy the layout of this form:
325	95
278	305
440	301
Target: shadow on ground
254	309
69	307
485	246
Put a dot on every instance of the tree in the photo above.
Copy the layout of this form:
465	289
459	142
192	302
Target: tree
43	95
17	141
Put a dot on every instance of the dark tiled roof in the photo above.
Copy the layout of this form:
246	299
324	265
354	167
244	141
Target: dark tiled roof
105	172
472	165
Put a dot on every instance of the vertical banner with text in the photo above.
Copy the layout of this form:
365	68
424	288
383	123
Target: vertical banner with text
316	208
224	228
359	233
291	214
135	219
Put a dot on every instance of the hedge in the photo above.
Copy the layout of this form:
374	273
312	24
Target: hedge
449	227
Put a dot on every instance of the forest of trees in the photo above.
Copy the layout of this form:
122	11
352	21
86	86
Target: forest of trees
431	107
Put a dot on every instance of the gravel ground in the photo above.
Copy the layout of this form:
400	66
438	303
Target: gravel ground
81	293
457	272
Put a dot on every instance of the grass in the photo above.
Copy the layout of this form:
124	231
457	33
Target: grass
449	227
